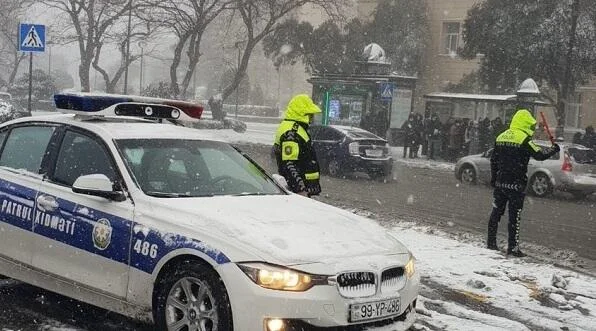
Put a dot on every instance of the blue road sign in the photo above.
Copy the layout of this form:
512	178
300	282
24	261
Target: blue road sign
32	37
334	106
386	91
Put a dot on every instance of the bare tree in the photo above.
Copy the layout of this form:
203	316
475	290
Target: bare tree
139	32
260	18
10	57
188	20
90	24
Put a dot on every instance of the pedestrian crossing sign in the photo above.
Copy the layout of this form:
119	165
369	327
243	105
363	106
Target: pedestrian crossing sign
386	91
32	37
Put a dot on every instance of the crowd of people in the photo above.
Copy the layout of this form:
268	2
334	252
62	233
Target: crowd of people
455	138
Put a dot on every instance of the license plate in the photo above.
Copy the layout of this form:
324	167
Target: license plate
374	152
374	310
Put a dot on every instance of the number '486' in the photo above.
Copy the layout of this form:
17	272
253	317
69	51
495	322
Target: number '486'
145	248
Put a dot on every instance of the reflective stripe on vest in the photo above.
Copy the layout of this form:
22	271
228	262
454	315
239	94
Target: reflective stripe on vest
286	126
312	176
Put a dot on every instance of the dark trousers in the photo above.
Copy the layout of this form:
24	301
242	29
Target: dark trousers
434	148
515	199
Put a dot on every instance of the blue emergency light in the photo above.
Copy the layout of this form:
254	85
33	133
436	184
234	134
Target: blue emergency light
126	105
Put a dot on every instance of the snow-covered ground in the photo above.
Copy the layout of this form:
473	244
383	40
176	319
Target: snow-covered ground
517	294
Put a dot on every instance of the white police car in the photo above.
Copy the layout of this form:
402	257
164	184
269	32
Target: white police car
160	222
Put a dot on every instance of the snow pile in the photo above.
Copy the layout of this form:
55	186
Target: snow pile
420	162
487	291
5	109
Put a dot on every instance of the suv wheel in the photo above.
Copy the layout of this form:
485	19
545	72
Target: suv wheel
380	174
192	297
334	168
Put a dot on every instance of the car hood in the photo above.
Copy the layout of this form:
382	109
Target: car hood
285	229
468	158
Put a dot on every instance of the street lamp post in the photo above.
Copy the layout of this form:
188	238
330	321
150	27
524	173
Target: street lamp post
49	57
127	47
142	45
237	46
278	88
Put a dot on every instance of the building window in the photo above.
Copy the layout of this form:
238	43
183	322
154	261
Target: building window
451	32
573	111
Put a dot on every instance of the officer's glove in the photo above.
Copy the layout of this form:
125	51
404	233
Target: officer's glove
556	148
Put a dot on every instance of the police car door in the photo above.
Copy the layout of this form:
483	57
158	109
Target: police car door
23	150
84	238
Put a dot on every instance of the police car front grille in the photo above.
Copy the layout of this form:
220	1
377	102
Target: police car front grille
357	284
392	280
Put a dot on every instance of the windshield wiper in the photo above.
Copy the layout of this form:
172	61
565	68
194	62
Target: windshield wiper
246	194
169	195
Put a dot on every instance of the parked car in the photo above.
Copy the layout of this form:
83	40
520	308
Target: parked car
167	224
572	170
345	149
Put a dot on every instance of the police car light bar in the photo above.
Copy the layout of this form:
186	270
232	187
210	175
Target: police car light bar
92	104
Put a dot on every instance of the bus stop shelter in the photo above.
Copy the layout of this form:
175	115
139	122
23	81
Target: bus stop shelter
377	102
477	106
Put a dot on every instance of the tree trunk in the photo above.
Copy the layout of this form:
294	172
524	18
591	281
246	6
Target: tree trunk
13	73
228	90
567	86
176	62
188	77
84	69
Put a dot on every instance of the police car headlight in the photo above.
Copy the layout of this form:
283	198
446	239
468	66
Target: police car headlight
280	278
410	269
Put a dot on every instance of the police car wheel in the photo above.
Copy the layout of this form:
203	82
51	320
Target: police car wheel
192	297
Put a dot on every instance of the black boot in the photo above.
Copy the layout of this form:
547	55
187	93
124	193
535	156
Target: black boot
516	252
491	242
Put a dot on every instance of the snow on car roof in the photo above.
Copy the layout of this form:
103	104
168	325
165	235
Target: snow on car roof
129	127
561	143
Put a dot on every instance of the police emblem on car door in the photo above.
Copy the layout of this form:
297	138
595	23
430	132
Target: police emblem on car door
102	234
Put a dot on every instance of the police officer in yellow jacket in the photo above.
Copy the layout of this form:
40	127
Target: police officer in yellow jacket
296	158
509	165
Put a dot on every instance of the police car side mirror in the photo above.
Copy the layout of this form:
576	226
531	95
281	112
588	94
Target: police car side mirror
280	180
98	185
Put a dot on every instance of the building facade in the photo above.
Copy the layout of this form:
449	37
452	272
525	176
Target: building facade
442	66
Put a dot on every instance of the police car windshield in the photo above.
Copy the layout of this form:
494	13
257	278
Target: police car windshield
177	168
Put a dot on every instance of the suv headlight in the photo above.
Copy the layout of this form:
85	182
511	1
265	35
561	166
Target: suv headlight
410	269
280	278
